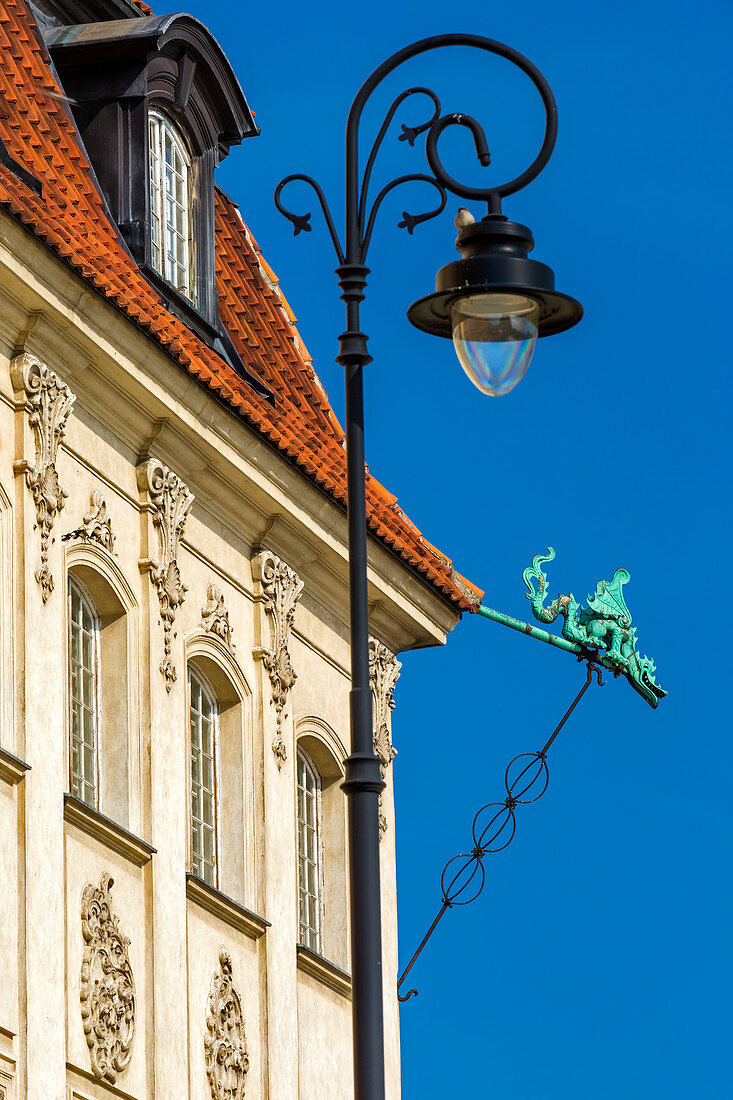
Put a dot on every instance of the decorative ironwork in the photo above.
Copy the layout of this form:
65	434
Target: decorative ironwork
605	624
364	214
602	631
494	827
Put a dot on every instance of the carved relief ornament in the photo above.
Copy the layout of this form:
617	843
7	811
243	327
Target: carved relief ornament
225	1043
171	502
96	525
107	985
384	672
281	587
215	616
48	403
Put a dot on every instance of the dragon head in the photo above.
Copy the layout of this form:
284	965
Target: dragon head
640	674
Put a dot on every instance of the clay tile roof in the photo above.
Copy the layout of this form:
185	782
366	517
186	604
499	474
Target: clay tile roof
72	218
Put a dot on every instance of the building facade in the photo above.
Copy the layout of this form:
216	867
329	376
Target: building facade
173	598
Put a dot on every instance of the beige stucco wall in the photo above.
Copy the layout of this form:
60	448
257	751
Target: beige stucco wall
133	404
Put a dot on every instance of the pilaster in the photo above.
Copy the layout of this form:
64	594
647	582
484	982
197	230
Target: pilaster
278	589
44	403
167	502
384	671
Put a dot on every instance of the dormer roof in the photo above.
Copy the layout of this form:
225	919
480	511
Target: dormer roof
187	57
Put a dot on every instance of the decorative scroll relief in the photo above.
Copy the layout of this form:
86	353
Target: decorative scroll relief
225	1043
171	501
281	587
215	616
384	672
48	403
107	985
96	526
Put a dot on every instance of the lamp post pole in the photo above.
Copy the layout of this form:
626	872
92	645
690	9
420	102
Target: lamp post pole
493	272
363	782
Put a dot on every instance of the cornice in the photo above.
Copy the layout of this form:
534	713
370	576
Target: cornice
12	768
224	574
225	908
324	971
76	1074
107	831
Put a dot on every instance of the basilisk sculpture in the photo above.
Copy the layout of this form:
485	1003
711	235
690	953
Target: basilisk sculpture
601	631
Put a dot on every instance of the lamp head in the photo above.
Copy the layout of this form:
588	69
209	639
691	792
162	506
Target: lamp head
494	302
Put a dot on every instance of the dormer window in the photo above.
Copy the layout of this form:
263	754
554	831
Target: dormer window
171	234
158	108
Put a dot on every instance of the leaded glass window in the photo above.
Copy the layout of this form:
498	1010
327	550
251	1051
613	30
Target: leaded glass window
170	204
84	694
204	733
309	852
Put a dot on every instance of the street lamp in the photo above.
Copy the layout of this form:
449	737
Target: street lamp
494	302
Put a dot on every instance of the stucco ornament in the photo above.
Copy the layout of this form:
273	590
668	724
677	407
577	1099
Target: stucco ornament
107	985
384	672
48	403
225	1043
96	525
171	501
215	616
281	588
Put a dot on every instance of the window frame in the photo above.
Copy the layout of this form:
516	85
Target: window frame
310	768
75	586
160	127
193	669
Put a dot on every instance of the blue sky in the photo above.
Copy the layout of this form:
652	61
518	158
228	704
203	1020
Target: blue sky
597	963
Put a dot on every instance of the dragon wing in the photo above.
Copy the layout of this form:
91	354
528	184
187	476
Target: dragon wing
608	599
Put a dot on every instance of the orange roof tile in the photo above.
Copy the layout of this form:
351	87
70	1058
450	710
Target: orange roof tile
72	219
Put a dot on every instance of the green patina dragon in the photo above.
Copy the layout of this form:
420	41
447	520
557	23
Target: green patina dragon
604	625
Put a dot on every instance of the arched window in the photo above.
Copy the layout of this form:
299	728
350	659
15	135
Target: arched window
83	693
103	760
170	204
309	852
204	722
223	792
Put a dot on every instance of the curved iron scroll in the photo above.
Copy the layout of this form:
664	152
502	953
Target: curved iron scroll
360	218
301	222
494	826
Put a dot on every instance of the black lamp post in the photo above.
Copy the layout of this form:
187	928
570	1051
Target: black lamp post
494	302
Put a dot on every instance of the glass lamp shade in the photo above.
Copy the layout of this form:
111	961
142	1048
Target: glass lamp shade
494	334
